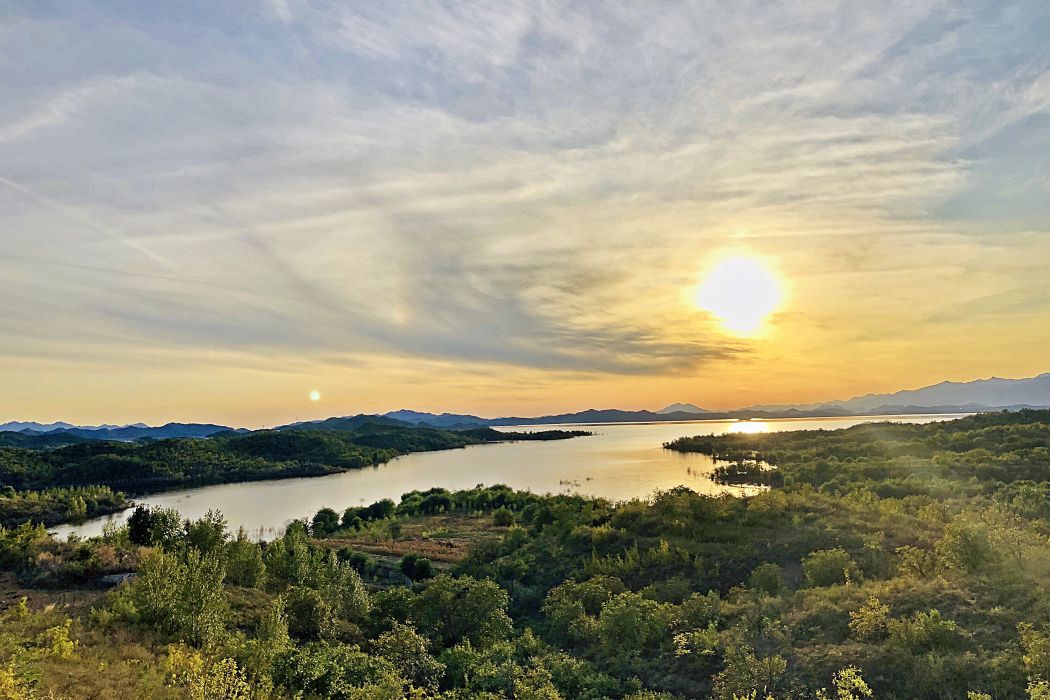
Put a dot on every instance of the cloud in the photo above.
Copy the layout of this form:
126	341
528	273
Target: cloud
526	185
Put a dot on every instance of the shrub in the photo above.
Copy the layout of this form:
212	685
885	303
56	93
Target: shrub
746	675
205	679
335	671
310	614
969	543
766	578
325	522
503	517
915	562
849	685
629	624
416	567
871	621
828	567
926	632
699	611
362	562
406	649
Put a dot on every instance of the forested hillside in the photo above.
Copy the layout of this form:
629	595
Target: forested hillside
34	467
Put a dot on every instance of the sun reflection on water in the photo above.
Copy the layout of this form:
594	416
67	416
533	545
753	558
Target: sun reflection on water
749	426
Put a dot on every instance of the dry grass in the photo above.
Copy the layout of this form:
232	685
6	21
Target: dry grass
444	539
73	603
111	664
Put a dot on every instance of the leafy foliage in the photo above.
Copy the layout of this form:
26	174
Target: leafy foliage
895	562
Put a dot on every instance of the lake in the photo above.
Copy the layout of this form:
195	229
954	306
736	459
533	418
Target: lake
620	461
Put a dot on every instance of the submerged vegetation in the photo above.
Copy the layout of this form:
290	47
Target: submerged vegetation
893	562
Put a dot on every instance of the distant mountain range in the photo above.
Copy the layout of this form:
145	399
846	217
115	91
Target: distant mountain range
683	408
980	394
33	427
946	397
344	423
112	432
449	421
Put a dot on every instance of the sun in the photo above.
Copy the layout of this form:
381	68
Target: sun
315	395
740	292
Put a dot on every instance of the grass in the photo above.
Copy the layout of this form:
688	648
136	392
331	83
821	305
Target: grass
444	539
111	664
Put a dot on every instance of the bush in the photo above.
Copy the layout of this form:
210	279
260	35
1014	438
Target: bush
362	562
828	567
630	624
310	615
871	621
926	632
766	578
416	567
336	671
324	523
503	517
915	562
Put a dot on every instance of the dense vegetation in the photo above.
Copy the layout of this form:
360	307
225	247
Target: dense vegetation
150	466
894	562
57	505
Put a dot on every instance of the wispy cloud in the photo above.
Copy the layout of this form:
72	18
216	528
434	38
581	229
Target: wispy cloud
527	185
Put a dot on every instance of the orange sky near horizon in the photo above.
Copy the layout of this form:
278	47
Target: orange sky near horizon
523	210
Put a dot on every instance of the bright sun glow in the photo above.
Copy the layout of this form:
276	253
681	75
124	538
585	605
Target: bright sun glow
315	395
741	292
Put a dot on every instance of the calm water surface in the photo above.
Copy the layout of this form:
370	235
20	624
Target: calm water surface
620	461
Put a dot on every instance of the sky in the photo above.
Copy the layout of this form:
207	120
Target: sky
209	210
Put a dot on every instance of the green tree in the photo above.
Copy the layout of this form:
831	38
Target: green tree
154	527
207	534
244	562
407	650
183	597
325	522
450	610
630	624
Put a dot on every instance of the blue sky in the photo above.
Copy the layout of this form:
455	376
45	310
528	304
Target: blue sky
212	208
